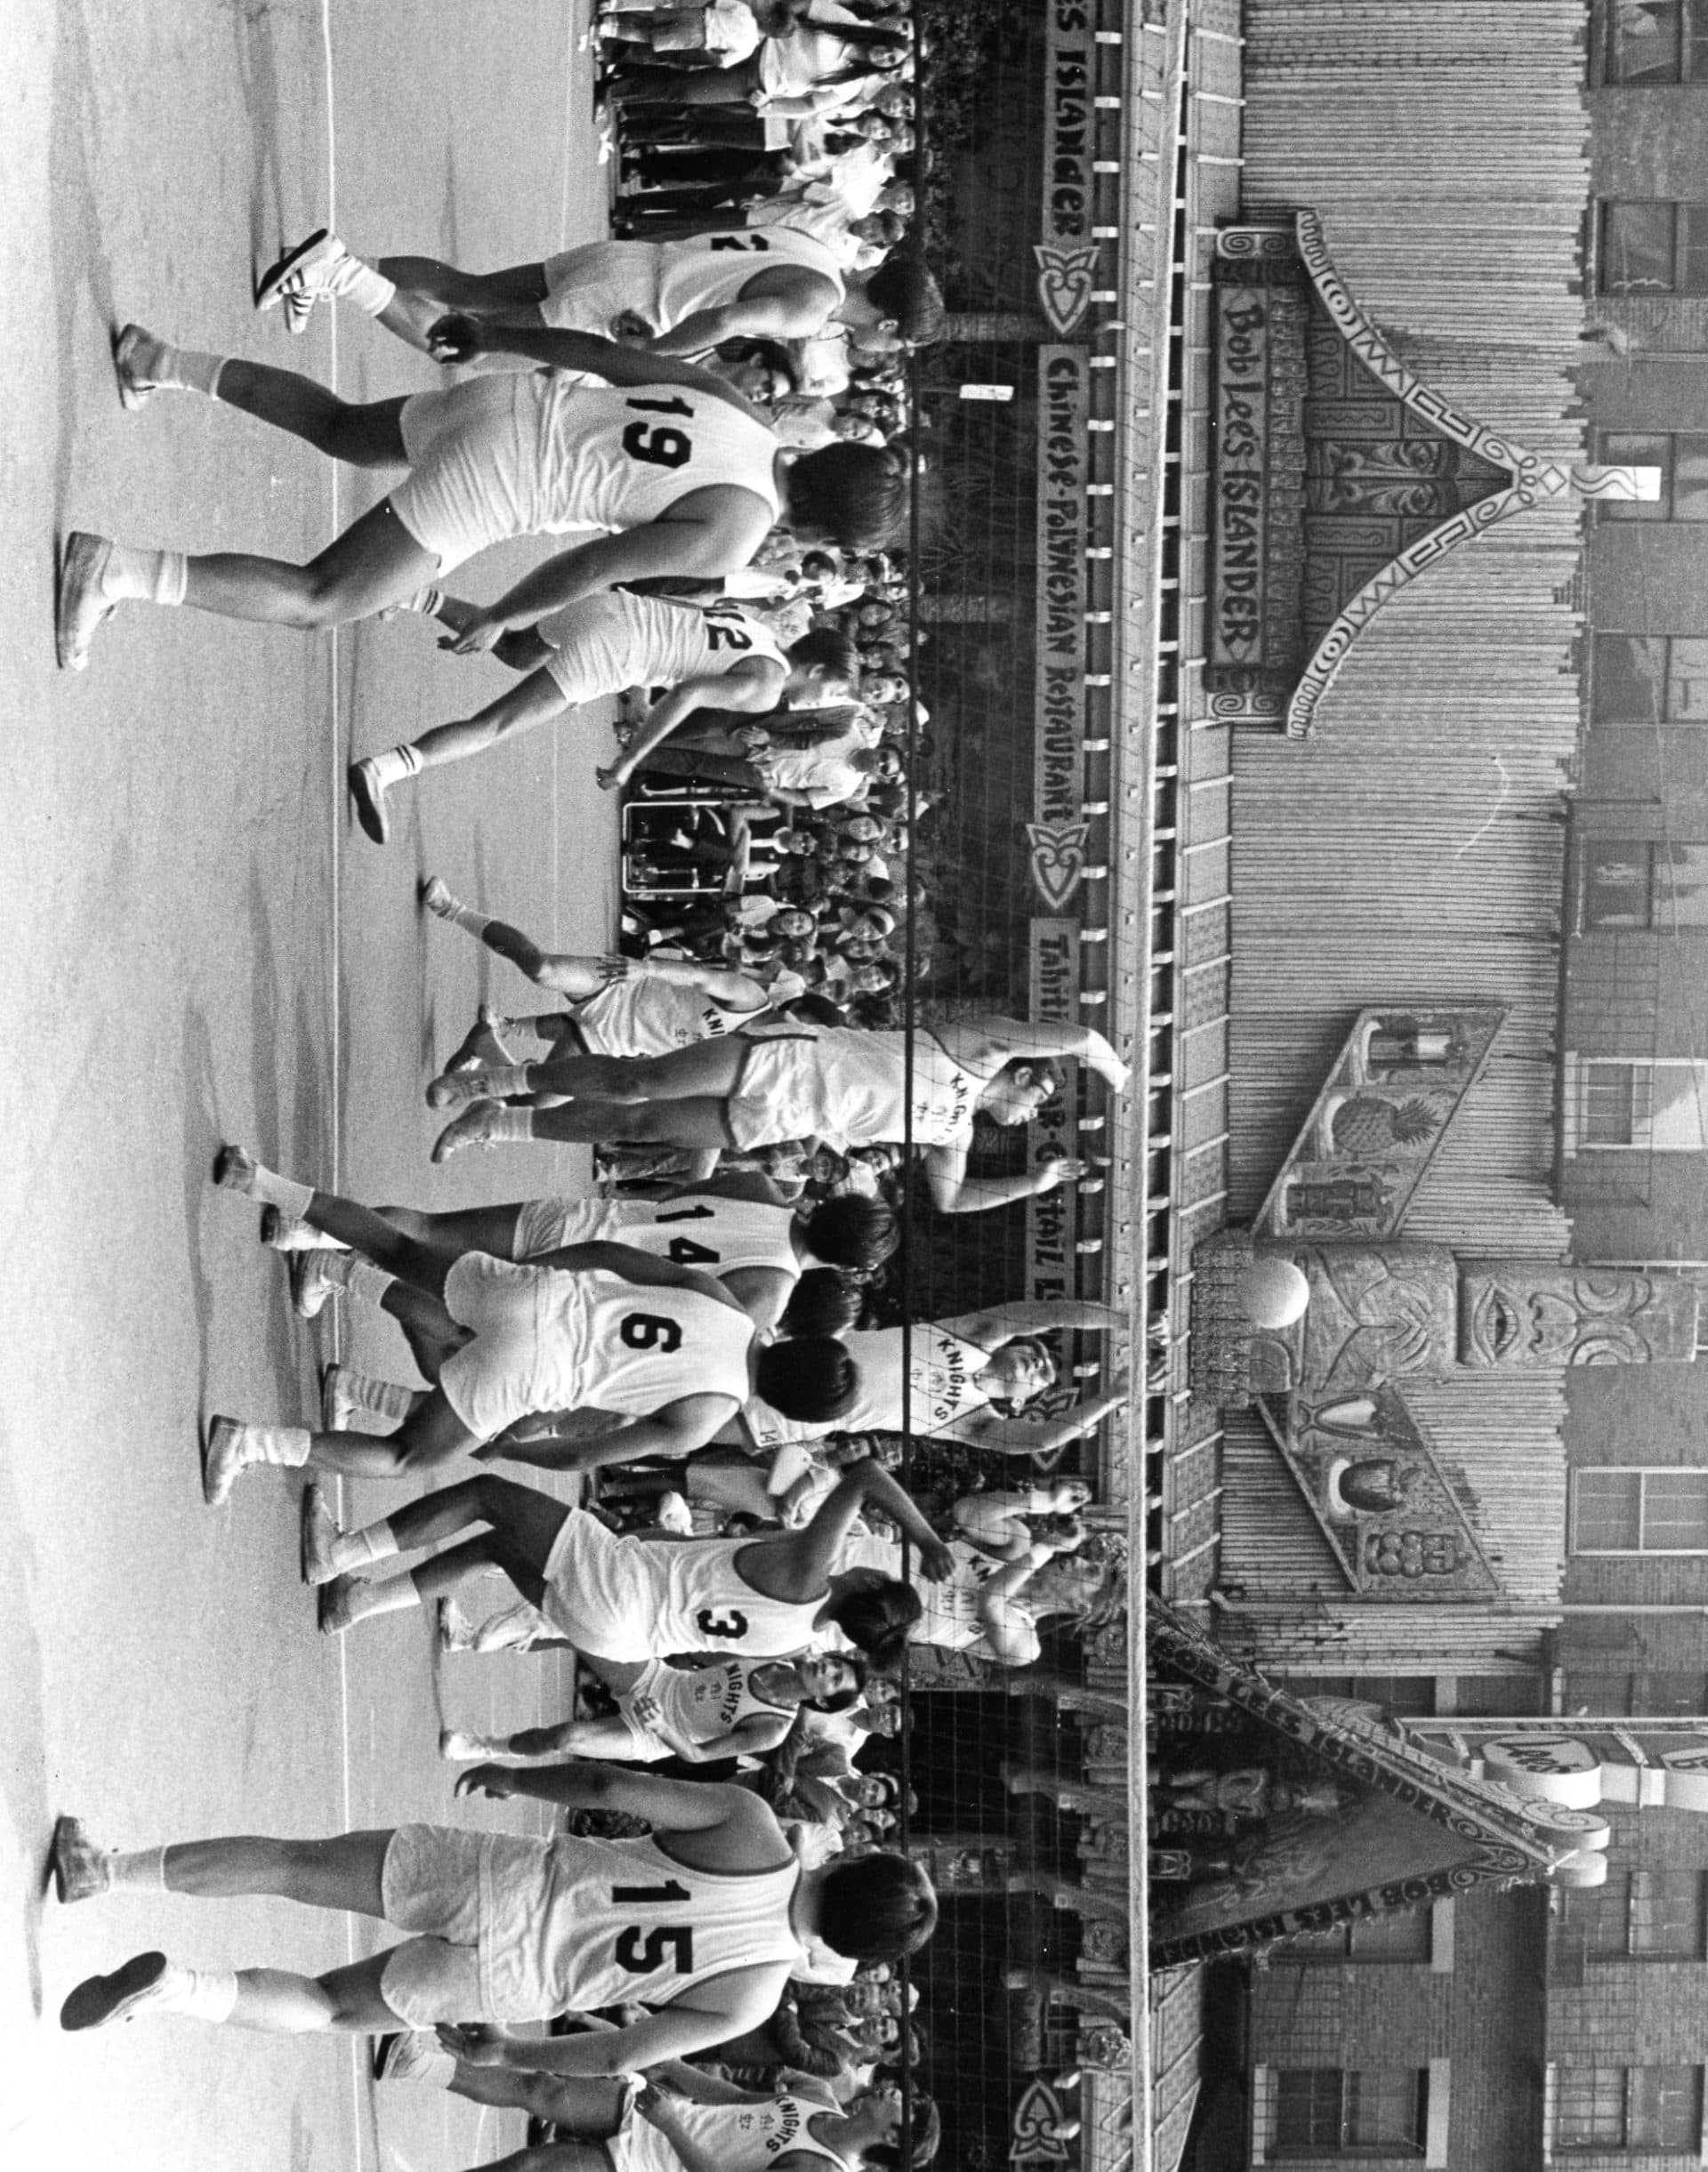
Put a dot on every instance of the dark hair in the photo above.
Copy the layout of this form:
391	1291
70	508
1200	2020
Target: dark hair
904	289
1041	1068
823	1302
771	353
815	1010
844	1700
854	1233
811	1378
828	646
877	1617
878	1908
858	492
926	2133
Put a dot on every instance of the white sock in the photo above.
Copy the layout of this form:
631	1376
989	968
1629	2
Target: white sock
354	1550
353	280
142	1869
288	1445
464	916
544	1026
178	369
145	576
378	1398
426	600
382	1595
509	1126
203	1994
363	1280
500	1081
394	766
290	1197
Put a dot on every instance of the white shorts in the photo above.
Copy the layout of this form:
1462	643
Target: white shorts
640	2147
780	1093
501	1376
593	649
591	1591
430	1883
474	464
588	288
645	1747
548	1225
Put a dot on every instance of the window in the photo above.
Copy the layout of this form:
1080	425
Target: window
1642	1915
1640	1512
1400	1935
1682	459
1652	1695
1655	1103
1641	885
1653	249
1372	2111
1628	2108
1409	1696
1640	678
1657	41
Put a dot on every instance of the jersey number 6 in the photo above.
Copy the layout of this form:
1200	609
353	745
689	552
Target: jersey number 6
650	1330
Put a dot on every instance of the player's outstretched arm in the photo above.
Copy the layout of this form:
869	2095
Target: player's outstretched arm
744	1999
995	1038
999	1323
954	1192
1029	1436
751	688
799	1565
460	339
672	1806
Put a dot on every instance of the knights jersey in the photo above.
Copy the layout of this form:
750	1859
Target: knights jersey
700	1704
750	2138
944	1369
641	1015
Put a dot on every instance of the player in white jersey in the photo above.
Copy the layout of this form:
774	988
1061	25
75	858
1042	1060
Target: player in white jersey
738	1227
731	1708
640	1598
990	1609
666	1351
694	2123
940	1378
679	297
684	477
842	1085
704	1920
715	656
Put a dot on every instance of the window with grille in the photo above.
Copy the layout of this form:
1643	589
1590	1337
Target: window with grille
1682	459
1642	1915
1644	884
1645	679
1627	2107
1654	1102
1373	2111
1640	1512
1657	42
1401	1936
1654	248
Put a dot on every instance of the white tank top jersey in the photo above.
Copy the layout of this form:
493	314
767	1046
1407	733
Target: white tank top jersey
697	1704
945	1370
616	1348
662	643
615	458
707	271
609	1921
698	1230
642	1015
859	1088
950	1616
739	2137
694	1598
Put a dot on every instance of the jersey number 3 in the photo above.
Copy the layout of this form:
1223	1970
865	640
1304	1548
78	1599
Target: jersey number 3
727	1624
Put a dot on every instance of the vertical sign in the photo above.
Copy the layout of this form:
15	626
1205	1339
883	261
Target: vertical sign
1068	256
1058	832
1051	1224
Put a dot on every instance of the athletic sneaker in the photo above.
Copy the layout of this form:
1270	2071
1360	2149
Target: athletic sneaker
141	1982
367	797
134	389
235	1170
467	1082
319	1529
459	1746
301	277
311	1288
332	1613
473	1128
416	2055
672	1512
83	605
337	1406
436	898
81	1870
224	1460
283	1233
456	1631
